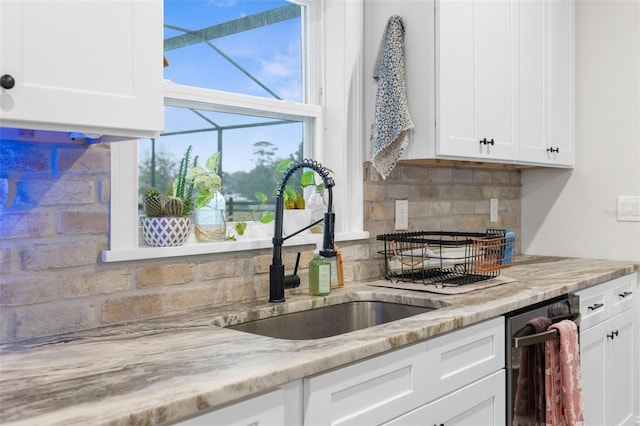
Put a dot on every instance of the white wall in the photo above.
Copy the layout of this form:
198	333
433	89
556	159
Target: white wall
573	212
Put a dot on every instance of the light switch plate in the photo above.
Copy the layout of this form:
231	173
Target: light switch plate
493	210
628	208
402	215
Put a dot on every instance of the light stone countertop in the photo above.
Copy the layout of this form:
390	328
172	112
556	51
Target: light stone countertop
167	368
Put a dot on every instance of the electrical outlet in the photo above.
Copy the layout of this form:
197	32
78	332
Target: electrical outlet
402	215
493	210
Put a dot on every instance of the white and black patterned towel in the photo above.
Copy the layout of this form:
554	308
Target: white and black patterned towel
392	121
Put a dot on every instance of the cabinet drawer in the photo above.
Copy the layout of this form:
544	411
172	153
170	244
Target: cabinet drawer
266	409
622	294
480	403
464	356
593	308
601	302
369	392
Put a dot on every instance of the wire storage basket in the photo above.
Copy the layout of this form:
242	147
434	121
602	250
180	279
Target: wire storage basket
450	258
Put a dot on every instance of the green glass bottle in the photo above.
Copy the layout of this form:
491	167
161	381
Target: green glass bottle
319	275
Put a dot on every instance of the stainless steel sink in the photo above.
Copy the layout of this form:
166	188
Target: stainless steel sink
330	320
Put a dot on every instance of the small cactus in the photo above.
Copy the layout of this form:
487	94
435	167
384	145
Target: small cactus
153	203
174	206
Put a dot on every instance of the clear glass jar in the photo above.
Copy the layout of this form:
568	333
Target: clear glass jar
210	223
317	203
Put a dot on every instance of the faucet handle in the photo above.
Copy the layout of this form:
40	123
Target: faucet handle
291	281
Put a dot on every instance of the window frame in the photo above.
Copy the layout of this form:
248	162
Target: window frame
335	36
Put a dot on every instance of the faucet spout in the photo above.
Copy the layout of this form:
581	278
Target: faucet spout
277	279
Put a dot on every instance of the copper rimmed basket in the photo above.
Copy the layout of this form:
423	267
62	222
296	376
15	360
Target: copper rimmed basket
452	258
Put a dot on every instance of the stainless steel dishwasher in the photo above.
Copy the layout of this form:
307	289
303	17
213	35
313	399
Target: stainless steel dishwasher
519	335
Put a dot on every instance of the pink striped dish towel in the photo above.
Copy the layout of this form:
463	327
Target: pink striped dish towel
563	386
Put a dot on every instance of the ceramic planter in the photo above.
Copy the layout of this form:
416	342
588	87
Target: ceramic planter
165	231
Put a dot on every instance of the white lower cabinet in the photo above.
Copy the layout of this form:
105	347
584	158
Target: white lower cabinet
369	392
464	356
607	366
480	403
279	407
608	362
384	389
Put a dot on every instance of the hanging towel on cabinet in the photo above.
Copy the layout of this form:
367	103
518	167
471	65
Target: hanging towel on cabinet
563	385
392	120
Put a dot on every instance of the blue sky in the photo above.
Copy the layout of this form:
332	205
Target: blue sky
271	54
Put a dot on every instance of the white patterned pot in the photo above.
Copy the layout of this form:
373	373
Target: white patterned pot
165	231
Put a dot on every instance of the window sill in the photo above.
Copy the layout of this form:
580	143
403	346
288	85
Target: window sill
195	248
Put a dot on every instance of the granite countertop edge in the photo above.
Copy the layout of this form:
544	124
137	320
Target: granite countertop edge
164	369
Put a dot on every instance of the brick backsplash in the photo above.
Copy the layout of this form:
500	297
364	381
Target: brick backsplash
442	197
55	222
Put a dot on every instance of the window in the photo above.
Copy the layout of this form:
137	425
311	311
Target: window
241	48
261	103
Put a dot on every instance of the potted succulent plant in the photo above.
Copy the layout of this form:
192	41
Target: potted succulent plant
167	220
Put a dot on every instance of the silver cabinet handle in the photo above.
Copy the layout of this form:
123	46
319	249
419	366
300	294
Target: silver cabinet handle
625	294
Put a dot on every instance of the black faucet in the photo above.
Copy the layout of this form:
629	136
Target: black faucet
277	279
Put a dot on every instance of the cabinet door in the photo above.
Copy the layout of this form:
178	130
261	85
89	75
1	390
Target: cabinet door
619	370
608	367
546	82
592	362
92	66
368	392
475	71
479	404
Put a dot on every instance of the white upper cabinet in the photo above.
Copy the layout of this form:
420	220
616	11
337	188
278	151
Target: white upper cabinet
487	80
91	66
547	82
476	70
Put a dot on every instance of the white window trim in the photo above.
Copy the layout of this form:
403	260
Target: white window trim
339	141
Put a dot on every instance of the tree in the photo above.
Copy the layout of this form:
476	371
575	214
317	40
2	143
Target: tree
263	177
299	154
158	175
265	152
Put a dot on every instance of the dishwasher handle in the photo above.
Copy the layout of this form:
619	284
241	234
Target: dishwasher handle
534	339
